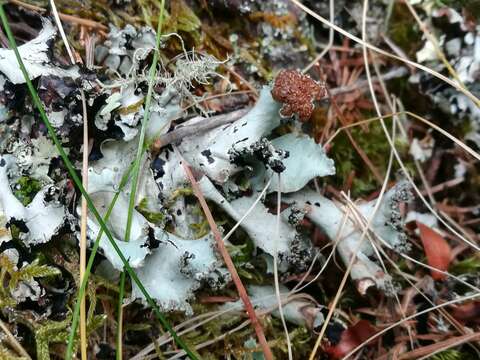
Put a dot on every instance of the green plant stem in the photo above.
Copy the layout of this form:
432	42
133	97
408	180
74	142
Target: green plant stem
38	104
88	268
136	172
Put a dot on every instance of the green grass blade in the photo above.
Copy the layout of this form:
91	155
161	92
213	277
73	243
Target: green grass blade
88	268
38	104
136	171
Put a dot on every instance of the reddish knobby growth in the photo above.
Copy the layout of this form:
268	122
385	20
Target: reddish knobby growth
297	92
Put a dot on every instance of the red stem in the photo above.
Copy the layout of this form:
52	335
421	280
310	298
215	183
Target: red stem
242	292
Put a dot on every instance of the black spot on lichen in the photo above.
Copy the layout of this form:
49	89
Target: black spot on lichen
179	212
151	242
208	154
242	140
158	167
19	224
261	150
3	162
317	204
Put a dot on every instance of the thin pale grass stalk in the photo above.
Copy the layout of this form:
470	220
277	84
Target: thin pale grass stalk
386	53
357	215
431	37
13	341
436	74
320	56
241	326
372	243
249	210
395	48
297	287
392	144
83	217
464	146
136	172
242	292
83	231
362	223
352	261
400	322
62	32
275	268
71	170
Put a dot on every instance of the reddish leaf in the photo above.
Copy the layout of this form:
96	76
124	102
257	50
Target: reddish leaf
437	250
351	338
468	312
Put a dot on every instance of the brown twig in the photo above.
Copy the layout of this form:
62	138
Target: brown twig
442	346
68	18
242	292
215	121
201	126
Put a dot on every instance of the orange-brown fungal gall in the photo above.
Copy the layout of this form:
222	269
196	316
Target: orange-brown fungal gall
297	92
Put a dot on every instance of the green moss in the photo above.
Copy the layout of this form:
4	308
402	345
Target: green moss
452	354
26	189
151	216
373	142
403	30
469	265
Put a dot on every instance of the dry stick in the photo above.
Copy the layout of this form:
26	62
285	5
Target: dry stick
275	268
429	351
215	121
13	341
242	292
68	18
204	125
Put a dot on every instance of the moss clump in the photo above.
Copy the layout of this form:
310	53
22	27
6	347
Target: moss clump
26	189
151	216
404	31
349	165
